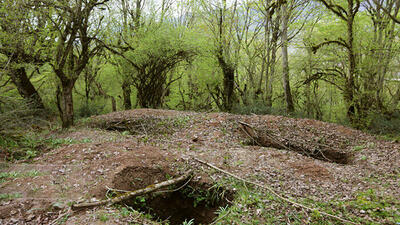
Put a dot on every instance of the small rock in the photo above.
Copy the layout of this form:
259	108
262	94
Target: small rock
362	211
30	217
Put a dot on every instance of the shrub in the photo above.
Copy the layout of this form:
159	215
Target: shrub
385	125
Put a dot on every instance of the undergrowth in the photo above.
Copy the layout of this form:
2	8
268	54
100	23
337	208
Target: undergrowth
29	145
255	206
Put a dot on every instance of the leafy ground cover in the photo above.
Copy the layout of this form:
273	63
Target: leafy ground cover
132	149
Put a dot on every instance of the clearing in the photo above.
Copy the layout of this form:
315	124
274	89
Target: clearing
131	150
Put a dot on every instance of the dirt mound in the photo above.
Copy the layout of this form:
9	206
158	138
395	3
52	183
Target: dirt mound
137	177
162	142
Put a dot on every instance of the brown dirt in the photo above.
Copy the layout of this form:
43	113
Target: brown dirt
310	169
82	171
138	177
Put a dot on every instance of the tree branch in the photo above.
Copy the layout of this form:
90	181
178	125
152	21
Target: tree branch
131	194
336	9
338	42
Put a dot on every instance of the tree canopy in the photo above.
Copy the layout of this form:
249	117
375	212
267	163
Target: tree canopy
326	59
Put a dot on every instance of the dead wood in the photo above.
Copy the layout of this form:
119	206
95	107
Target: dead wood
298	205
321	152
130	194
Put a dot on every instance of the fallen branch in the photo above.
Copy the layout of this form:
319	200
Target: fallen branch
60	216
319	151
131	194
274	193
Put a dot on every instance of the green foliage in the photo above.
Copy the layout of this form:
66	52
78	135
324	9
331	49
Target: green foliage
208	197
377	206
257	107
385	125
190	222
103	216
9	196
93	108
13	174
29	145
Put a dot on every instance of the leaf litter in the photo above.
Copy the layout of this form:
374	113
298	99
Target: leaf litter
82	171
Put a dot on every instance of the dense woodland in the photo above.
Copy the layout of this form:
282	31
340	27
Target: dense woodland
239	77
332	60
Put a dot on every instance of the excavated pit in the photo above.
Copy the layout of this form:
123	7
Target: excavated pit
178	203
267	138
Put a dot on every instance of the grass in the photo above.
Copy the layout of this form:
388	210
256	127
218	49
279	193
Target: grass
9	196
14	174
30	145
254	206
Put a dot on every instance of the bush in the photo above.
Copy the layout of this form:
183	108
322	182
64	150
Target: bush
256	107
93	108
18	117
385	125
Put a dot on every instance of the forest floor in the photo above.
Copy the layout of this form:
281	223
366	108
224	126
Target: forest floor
130	150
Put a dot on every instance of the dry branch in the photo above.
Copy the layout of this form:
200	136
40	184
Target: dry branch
274	193
322	152
131	194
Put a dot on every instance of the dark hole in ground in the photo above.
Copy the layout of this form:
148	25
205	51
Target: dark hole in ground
195	202
177	203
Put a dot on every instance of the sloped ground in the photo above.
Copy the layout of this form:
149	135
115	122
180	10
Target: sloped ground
148	146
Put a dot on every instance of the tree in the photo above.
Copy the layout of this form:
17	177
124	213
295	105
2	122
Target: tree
285	60
74	45
347	14
131	16
220	20
271	22
24	44
158	50
381	50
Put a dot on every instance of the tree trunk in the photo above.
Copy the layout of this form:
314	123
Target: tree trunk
229	83
126	91
285	62
113	104
25	87
269	79
67	114
350	83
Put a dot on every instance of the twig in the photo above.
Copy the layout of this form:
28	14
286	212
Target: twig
215	222
115	190
273	192
247	132
131	194
61	216
177	189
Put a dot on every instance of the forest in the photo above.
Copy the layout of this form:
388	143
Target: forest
319	79
334	61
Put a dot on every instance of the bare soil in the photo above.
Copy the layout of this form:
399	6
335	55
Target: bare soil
159	144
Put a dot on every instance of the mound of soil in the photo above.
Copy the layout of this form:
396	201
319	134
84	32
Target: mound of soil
101	158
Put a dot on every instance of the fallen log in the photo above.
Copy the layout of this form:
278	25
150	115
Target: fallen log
130	194
321	152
